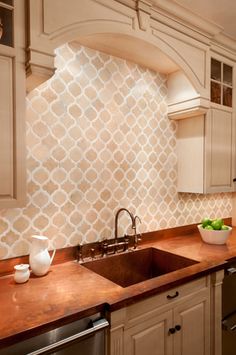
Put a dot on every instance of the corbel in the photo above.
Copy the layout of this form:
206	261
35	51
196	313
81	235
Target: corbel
144	12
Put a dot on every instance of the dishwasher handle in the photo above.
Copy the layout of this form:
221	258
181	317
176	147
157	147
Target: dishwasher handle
96	326
225	326
231	270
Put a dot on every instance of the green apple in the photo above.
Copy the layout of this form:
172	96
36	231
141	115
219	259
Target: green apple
225	228
209	227
217	224
206	222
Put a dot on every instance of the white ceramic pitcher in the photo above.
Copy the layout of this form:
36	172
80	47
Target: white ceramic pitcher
39	257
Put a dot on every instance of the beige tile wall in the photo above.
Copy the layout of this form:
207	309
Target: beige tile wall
98	138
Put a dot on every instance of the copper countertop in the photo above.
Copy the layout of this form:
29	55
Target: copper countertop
70	291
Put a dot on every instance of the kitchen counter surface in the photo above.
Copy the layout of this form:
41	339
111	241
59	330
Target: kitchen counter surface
70	290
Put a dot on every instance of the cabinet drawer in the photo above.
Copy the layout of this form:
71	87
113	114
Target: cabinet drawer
143	309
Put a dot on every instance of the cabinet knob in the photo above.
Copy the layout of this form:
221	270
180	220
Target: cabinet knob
178	327
169	297
172	330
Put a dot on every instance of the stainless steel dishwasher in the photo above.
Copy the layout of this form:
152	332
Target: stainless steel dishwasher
86	336
229	310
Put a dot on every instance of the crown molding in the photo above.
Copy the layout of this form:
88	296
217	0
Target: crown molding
129	3
187	17
224	44
171	13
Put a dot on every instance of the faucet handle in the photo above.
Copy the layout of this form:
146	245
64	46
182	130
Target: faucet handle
104	247
79	253
139	237
126	242
92	253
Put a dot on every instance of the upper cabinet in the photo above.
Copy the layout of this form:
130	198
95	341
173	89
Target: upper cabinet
221	83
12	103
6	22
206	138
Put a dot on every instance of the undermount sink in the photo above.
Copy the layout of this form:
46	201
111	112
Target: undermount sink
133	267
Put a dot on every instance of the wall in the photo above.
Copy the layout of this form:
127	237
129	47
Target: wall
98	138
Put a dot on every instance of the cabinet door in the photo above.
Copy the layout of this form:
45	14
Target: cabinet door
219	150
6	133
12	105
192	321
190	151
150	337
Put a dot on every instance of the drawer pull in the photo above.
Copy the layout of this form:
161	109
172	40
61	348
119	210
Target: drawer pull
172	330
178	327
169	297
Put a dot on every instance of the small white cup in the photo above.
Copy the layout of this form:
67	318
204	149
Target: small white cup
22	273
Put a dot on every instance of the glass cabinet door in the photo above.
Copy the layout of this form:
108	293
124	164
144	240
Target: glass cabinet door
6	23
221	83
215	70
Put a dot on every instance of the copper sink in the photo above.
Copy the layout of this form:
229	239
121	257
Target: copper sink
133	267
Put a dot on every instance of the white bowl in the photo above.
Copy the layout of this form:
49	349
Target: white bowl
214	236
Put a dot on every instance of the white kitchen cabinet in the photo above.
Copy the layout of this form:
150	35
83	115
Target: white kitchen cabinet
219	143
176	322
205	150
192	315
150	337
12	104
206	138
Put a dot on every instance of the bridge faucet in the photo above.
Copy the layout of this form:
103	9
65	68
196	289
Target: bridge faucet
116	221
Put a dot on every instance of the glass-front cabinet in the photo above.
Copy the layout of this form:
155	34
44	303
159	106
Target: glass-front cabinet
208	139
221	83
6	22
220	125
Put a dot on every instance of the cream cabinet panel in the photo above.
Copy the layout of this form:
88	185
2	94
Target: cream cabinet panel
12	106
219	149
192	320
149	337
6	119
205	150
190	152
160	325
206	131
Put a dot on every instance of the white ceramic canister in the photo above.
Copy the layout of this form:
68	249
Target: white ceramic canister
39	257
22	273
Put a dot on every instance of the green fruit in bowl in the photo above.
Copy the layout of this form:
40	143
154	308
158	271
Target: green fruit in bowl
225	228
217	224
209	227
206	222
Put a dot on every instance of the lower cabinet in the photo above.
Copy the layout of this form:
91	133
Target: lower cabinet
183	330
177	322
151	337
191	320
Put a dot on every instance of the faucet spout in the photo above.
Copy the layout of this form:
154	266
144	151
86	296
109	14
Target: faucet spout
117	218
